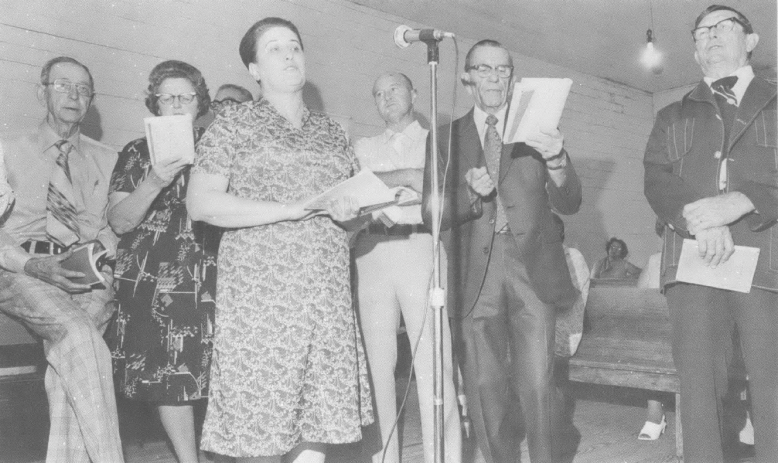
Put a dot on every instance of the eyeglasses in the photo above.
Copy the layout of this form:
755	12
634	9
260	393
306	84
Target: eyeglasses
484	70
65	86
168	99
725	25
224	102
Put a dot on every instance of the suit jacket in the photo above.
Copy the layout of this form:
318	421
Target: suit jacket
528	195
681	167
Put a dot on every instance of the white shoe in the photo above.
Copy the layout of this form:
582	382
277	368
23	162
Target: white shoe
746	434
652	431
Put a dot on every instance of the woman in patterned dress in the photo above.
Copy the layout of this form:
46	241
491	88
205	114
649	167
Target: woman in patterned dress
166	270
289	373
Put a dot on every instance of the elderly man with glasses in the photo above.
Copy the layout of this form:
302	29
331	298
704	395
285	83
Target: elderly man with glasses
710	174
61	180
507	271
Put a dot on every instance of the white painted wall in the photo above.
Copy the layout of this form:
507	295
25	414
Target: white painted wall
606	124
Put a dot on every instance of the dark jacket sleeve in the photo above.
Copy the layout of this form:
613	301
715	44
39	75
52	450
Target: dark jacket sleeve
459	204
566	198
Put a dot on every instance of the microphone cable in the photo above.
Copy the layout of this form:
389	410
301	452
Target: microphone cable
427	306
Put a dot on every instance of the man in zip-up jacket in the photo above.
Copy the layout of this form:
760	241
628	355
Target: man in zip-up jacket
711	174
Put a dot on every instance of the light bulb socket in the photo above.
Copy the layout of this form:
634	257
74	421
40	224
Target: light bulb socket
649	36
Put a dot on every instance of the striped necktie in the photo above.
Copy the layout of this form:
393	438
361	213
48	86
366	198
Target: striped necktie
724	88
61	224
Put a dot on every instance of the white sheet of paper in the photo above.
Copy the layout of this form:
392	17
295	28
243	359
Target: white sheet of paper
365	186
536	105
736	274
170	137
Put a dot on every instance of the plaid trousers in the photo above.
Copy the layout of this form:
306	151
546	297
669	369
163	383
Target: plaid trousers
79	382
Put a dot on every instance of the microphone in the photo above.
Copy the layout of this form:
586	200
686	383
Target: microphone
404	35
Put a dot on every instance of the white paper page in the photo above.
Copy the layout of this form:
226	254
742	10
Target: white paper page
536	105
368	189
170	137
736	274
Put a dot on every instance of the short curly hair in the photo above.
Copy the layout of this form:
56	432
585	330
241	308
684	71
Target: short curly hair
173	69
624	250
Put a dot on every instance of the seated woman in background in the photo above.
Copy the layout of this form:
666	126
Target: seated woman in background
166	269
615	266
289	372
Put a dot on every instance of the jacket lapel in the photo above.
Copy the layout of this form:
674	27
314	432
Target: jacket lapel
758	94
470	142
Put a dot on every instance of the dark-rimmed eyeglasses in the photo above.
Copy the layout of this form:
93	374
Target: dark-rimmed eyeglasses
168	98
484	70
725	25
65	86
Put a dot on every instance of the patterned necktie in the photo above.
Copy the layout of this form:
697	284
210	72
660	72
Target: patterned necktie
724	88
61	224
492	152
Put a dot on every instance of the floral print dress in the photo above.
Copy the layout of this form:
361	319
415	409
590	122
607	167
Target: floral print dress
288	363
165	288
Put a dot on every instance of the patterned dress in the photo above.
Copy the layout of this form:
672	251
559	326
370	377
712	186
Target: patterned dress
165	286
288	363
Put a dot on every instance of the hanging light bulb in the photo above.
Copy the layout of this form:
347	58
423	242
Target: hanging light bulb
651	58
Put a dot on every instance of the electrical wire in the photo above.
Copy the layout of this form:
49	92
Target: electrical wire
427	306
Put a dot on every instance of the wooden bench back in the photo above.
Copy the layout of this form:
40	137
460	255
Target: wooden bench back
626	340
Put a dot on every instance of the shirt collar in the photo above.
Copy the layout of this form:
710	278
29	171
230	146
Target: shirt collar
414	131
479	116
744	75
49	137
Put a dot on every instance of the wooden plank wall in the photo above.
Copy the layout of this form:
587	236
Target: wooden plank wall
606	124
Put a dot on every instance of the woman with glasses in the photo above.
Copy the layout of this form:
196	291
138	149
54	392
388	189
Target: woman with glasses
165	271
289	373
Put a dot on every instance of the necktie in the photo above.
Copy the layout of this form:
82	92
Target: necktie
492	152
724	88
61	224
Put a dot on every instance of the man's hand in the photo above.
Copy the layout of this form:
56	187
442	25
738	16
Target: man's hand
49	270
715	245
479	181
716	211
548	144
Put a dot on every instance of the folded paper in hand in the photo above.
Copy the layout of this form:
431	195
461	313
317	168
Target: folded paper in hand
87	258
170	138
736	274
369	190
536	105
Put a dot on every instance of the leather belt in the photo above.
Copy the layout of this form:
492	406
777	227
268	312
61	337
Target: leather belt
397	230
42	247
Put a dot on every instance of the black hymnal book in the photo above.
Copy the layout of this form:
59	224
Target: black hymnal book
87	258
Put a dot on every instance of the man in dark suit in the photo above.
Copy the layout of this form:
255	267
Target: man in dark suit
710	173
507	272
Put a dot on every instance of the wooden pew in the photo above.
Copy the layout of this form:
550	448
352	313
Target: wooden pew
627	342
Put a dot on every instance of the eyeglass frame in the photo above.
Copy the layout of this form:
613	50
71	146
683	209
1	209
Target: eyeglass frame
733	19
487	70
162	96
225	101
66	86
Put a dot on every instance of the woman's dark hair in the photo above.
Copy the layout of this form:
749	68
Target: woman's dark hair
173	69
248	44
624	250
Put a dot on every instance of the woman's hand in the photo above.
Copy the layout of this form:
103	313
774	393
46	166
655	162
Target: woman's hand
164	173
343	209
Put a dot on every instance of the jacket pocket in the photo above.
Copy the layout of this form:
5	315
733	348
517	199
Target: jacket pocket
766	125
680	136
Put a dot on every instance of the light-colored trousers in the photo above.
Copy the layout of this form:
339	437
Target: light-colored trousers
394	277
79	382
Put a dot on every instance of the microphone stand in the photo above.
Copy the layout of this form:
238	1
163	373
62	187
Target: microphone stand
437	295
